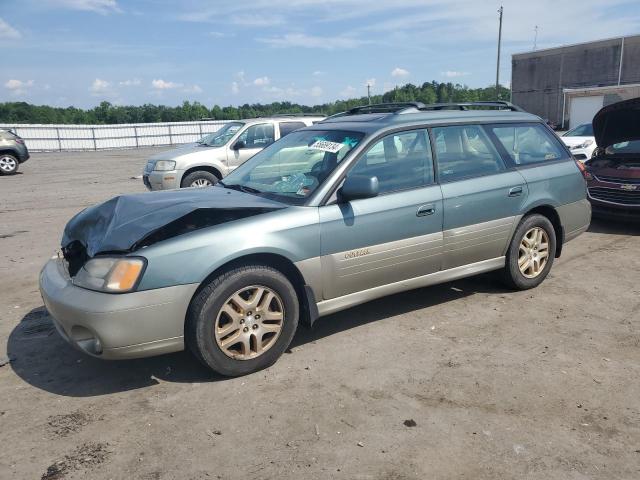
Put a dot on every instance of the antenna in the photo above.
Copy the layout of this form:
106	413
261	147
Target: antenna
535	38
498	62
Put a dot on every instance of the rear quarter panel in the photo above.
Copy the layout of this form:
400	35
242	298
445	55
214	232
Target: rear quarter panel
562	186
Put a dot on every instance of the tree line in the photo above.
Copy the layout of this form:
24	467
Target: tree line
106	113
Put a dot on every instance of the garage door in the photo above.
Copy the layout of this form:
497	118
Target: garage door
583	109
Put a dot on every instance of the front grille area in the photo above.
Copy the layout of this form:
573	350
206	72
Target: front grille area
615	195
628	181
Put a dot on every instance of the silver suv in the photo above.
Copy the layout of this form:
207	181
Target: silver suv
13	152
207	161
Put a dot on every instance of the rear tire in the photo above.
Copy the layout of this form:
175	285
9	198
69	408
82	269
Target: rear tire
8	164
531	253
199	179
242	320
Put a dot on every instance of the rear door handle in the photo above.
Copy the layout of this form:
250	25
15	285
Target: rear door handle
515	191
424	210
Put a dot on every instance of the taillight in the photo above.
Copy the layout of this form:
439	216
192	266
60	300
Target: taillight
584	171
19	140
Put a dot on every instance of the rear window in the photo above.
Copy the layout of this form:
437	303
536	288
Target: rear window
287	127
528	143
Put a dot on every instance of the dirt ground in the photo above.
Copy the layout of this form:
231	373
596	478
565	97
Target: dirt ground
463	380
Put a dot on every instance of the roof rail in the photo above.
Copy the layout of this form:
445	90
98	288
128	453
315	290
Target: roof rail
297	115
498	104
392	107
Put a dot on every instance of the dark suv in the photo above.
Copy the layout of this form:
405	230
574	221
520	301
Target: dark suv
613	173
13	152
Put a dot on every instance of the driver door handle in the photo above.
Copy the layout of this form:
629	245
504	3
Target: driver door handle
515	191
424	210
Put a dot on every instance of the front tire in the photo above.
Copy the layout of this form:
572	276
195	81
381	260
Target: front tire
243	320
531	253
8	164
199	179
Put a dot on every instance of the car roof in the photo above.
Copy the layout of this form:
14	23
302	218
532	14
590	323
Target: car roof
292	118
373	122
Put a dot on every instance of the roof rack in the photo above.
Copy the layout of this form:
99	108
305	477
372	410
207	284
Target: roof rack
384	108
297	115
498	104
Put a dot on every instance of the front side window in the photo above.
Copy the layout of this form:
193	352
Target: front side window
465	151
258	136
529	143
291	169
400	161
287	127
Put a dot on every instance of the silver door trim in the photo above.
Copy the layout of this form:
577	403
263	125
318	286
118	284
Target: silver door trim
333	305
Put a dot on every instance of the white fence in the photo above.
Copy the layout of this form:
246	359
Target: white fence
44	138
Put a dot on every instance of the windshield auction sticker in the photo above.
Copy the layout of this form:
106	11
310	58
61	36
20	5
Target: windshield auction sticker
326	146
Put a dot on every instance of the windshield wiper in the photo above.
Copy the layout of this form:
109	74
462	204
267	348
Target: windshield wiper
240	188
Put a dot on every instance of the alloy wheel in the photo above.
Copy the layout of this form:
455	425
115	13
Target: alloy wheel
200	183
249	322
7	164
533	253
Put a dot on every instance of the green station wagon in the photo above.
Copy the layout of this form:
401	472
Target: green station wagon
374	201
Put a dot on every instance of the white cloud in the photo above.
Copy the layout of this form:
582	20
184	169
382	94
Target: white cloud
399	72
235	88
160	84
7	31
18	84
18	87
103	7
453	74
310	41
370	81
217	34
255	20
134	82
99	86
319	73
261	81
316	91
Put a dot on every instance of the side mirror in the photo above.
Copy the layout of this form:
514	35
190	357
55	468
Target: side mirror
357	187
239	145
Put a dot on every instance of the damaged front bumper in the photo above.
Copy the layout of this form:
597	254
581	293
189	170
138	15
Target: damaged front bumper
115	326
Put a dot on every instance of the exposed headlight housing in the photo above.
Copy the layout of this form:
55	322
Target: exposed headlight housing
164	165
110	274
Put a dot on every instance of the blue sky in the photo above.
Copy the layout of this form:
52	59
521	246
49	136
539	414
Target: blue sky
80	52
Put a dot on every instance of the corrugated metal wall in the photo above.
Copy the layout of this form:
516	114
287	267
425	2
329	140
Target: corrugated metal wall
538	78
42	138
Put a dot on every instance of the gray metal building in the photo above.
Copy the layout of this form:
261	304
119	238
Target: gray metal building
569	84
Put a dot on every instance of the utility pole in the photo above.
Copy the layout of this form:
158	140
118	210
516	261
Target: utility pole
498	62
369	92
535	38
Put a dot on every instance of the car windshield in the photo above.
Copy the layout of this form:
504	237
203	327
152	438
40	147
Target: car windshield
291	169
585	130
623	148
222	136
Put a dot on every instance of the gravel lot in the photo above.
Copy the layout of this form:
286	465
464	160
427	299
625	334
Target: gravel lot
463	380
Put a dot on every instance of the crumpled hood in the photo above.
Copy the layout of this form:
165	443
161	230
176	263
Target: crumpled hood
123	222
617	123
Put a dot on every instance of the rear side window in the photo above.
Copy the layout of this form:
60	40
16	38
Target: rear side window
287	127
528	143
465	151
401	161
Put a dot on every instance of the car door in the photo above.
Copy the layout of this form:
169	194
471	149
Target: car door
394	236
482	197
253	139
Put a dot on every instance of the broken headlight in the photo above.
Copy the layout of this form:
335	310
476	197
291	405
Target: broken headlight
110	274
